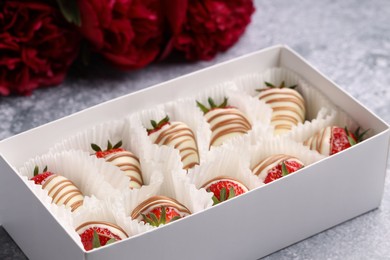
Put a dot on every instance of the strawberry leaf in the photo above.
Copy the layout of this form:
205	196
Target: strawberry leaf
163	219
154	218
96	148
154	123
109	145
117	145
175	218
215	200
45	169
351	140
224	103
270	85
212	103
36	170
70	11
222	194
112	240
95	240
202	107
284	169
232	193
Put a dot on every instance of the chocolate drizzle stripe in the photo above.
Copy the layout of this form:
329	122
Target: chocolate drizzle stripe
228	131
230	112
294	111
129	167
108	224
291	119
58	184
233	121
223	178
48	180
289	92
172	129
112	157
58	194
159	201
290	100
190	165
76	205
71	194
275	159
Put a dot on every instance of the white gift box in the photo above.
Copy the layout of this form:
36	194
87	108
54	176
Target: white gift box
250	226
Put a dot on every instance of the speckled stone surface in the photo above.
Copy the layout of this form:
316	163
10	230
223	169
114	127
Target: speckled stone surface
349	41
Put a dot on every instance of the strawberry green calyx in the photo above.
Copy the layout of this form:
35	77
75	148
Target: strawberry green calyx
284	169
223	195
358	135
153	220
156	126
96	241
272	86
97	148
36	170
212	105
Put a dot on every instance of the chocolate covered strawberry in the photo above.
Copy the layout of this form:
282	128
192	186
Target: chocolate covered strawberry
224	188
125	160
276	166
95	234
178	135
288	106
225	121
159	210
60	189
333	139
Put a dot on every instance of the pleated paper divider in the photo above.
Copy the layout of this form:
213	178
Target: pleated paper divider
279	145
175	185
115	131
227	162
86	173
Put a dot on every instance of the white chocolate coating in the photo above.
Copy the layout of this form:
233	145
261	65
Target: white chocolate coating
288	108
320	142
116	230
226	123
181	137
63	192
129	164
158	201
263	167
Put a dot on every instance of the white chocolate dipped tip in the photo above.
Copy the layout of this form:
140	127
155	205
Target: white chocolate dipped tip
113	228
159	201
181	137
264	166
320	141
129	164
288	108
63	192
225	178
226	123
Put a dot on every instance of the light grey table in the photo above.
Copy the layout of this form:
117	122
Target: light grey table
347	40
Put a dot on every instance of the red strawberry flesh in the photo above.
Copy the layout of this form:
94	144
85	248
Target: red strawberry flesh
339	140
102	154
170	213
276	172
40	178
218	186
103	233
151	131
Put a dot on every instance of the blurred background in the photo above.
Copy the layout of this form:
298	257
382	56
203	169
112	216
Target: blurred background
349	41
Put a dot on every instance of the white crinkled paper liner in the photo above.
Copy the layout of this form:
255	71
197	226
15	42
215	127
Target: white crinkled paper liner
227	162
175	185
115	131
108	210
258	113
279	145
85	172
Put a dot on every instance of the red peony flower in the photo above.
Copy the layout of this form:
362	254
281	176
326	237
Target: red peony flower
36	46
212	26
128	33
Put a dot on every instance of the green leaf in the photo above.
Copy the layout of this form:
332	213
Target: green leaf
45	169
293	86
202	107
95	240
154	124
350	139
212	103
117	145
109	145
175	218
154	219
224	103
163	218
282	85
284	169
36	170
112	240
222	194
270	85
232	193
96	147
70	11
215	200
